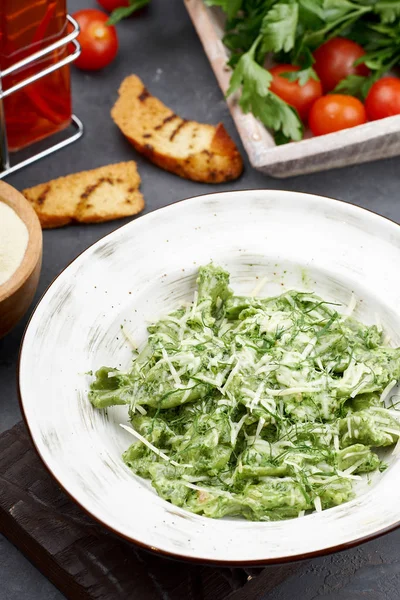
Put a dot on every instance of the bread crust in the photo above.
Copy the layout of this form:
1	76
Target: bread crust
192	150
103	194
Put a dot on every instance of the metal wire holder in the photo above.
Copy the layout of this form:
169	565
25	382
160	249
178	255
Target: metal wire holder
5	163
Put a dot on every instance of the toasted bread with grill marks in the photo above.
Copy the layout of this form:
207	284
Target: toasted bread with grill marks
102	194
189	149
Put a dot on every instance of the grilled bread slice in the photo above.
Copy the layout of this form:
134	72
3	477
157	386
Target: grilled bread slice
189	149
102	194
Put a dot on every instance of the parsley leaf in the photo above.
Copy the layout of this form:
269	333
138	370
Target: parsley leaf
354	85
280	138
389	10
278	28
230	7
257	98
301	76
336	16
125	11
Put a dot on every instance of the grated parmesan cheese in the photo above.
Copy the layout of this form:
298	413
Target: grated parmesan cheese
129	338
388	389
317	504
259	286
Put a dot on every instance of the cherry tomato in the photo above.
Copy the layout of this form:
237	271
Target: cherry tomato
335	59
301	97
335	112
99	42
111	5
383	99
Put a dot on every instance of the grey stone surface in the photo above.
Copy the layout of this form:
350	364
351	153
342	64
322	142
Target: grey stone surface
161	46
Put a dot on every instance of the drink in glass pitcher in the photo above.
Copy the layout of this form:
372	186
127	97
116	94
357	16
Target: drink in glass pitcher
44	106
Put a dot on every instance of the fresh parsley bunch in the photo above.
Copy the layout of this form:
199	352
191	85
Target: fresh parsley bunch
290	30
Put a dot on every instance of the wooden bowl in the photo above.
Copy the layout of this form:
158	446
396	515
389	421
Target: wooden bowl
16	293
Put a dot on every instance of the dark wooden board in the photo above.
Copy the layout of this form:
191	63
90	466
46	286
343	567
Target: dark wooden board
87	562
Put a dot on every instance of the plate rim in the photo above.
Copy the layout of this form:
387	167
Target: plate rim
160	551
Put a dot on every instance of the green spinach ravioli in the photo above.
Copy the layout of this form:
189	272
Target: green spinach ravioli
263	408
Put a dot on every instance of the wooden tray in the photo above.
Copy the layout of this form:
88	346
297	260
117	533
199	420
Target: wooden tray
85	561
372	141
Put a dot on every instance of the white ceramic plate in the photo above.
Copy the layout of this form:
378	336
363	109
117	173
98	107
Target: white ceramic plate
146	268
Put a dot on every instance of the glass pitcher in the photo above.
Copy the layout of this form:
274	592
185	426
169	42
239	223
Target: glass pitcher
44	106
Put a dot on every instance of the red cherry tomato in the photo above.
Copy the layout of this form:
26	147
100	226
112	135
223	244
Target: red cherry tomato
335	59
99	42
301	97
335	112
383	99
111	5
